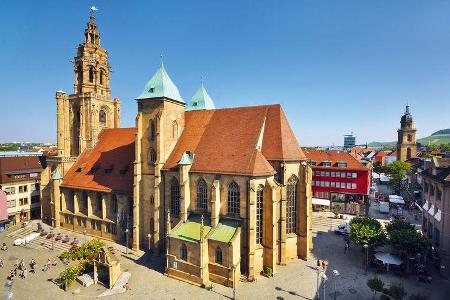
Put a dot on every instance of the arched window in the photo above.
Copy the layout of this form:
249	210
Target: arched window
99	203
152	130
291	205
101	76
218	255
174	129
83	205
233	200
259	214
152	225
91	74
69	203
175	197
152	199
80	75
113	207
92	38
102	117
409	138
152	156
202	195
408	153
183	252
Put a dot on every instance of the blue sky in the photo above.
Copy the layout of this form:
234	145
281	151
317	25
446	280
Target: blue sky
335	66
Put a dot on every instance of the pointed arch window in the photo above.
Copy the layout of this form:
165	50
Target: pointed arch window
183	252
91	74
152	225
233	199
152	130
102	117
175	197
113	207
259	214
174	129
291	205
202	195
152	156
408	153
101	77
218	255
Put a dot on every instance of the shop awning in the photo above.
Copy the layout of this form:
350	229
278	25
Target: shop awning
318	201
431	210
425	206
438	215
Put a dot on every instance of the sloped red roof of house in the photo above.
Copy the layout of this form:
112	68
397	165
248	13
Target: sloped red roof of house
224	141
334	156
108	167
19	165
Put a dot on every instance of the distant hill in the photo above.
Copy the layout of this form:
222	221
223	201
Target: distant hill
442	132
439	137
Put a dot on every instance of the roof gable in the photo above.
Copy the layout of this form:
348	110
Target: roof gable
333	157
224	141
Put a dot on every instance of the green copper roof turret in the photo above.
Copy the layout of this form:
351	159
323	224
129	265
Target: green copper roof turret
201	100
185	160
160	86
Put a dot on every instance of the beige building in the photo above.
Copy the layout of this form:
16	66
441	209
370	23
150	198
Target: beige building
436	210
220	192
406	142
20	178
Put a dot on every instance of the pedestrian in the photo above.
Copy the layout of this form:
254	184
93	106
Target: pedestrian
346	247
1	262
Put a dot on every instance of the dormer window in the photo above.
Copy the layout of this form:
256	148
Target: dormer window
313	162
124	170
108	170
79	170
151	90
95	169
326	163
342	164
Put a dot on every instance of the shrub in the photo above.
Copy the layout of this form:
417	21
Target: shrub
375	284
418	297
69	275
396	291
384	297
268	271
88	250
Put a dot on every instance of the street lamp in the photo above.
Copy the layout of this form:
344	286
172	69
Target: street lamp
149	241
51	234
126	234
325	278
336	274
367	257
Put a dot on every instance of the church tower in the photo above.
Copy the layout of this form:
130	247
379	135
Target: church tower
80	116
406	142
159	123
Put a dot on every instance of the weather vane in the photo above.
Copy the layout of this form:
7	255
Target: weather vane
92	11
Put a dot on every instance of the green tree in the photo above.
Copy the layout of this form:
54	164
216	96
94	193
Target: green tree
366	231
398	170
377	168
375	285
404	237
396	291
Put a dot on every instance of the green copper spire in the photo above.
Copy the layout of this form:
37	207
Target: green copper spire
201	100
159	86
57	175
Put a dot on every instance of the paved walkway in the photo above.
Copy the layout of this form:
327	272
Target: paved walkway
297	280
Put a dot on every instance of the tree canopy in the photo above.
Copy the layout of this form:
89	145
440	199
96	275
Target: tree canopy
397	171
366	231
404	237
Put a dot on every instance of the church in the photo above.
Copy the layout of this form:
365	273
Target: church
219	193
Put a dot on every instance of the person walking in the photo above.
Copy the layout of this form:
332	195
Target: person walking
347	246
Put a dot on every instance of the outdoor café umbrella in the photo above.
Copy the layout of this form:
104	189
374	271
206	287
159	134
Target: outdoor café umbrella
388	259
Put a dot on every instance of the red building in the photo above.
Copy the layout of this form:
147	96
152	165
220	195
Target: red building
339	180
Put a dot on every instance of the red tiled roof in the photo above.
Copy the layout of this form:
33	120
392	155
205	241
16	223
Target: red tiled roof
19	164
334	156
224	140
112	156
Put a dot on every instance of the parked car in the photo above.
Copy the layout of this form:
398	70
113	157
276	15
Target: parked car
343	229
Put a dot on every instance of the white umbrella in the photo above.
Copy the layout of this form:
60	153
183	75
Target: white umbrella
388	258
